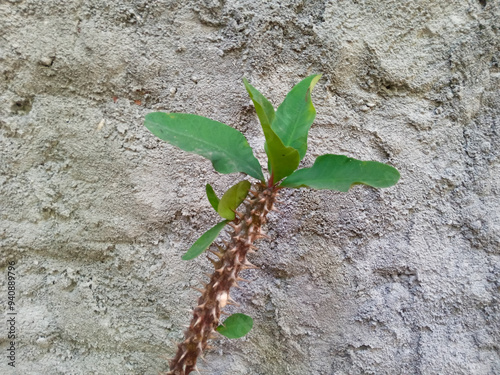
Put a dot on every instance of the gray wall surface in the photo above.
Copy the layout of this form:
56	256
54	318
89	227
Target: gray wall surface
96	212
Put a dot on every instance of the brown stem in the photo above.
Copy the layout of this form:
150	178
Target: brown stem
231	260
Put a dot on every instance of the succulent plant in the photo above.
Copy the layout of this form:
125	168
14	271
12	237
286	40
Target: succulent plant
244	207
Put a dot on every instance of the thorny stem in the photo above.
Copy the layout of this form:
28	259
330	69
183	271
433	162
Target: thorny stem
247	227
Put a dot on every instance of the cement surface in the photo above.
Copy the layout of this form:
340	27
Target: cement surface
96	212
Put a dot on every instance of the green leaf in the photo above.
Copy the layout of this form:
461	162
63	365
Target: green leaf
338	172
296	114
232	199
226	147
236	326
283	160
263	107
212	197
204	241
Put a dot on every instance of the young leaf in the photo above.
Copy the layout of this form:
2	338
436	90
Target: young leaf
236	326
204	241
212	197
232	199
226	147
283	160
263	107
296	114
338	172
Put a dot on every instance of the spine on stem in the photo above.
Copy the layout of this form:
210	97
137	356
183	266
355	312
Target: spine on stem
230	260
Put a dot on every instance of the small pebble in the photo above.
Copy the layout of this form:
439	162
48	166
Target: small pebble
485	147
46	61
43	342
194	79
476	225
101	124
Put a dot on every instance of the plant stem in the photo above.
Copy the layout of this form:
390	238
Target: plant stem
247	227
271	180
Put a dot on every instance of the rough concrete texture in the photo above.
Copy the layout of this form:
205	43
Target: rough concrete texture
96	212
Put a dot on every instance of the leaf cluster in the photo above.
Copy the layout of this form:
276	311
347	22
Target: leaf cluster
286	131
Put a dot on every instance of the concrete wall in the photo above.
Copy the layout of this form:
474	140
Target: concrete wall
96	212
